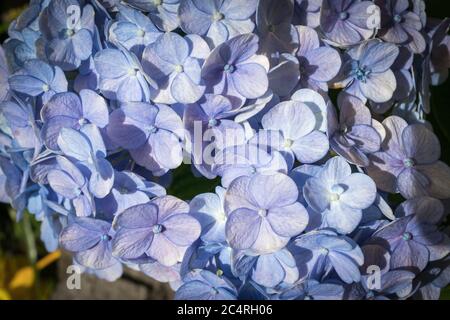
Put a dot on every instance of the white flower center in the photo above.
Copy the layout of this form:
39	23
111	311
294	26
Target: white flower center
262	212
140	33
157	228
179	68
217	16
132	72
221	217
288	143
334	197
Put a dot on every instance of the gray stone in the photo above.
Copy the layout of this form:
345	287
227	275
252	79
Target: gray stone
132	285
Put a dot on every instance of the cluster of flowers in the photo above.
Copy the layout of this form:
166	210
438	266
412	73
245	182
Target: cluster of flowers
311	113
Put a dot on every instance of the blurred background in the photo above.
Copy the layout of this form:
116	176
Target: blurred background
27	271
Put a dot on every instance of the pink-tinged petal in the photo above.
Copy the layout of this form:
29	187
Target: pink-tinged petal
83	234
169	206
421	144
182	229
165	251
412	183
410	254
439	176
131	243
351	154
140	216
366	137
98	257
417	43
393	142
396	34
308	40
384	170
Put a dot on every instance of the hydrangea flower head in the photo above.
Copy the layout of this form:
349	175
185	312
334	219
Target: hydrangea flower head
307	13
68	30
121	76
70	110
354	136
349	22
401	25
318	64
408	161
233	67
161	229
152	134
414	238
340	195
162	12
90	240
290	126
205	285
292	130
367	71
133	30
175	63
274	27
39	79
260	223
217	21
